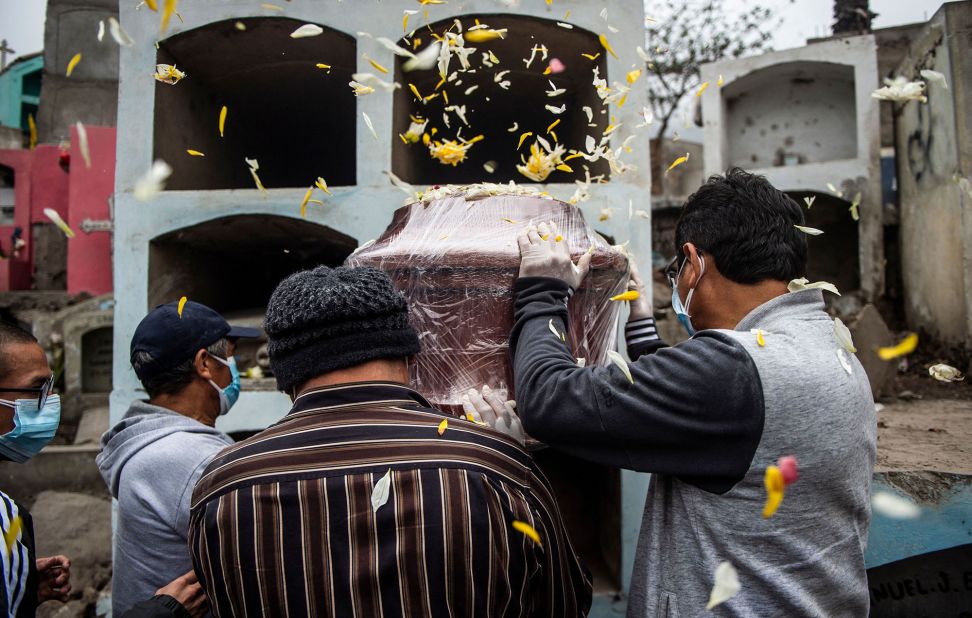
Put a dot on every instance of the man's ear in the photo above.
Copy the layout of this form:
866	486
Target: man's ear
203	364
693	267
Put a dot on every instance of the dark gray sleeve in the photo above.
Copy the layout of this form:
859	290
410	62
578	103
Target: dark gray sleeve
694	411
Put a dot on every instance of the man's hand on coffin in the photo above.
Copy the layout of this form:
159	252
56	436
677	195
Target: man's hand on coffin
492	408
544	253
641	306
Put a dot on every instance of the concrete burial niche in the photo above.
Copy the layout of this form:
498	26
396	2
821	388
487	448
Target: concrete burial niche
833	256
233	264
306	116
820	123
492	111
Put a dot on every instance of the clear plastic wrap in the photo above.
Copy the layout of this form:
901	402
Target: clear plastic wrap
456	259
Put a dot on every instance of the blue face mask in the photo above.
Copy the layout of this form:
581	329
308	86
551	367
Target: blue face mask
228	395
682	311
33	428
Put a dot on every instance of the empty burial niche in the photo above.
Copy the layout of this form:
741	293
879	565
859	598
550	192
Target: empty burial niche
831	256
791	114
233	264
296	120
491	110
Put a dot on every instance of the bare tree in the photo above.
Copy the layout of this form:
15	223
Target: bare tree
683	35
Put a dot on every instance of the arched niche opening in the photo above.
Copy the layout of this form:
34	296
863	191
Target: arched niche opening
233	264
296	120
492	110
791	114
833	255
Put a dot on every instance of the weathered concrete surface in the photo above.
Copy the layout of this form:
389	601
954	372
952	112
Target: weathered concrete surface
934	143
870	332
804	118
90	94
56	468
94	422
79	527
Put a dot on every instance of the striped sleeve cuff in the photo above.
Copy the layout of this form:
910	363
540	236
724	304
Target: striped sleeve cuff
640	331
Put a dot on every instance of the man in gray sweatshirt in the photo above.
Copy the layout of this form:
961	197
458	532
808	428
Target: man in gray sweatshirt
764	377
153	457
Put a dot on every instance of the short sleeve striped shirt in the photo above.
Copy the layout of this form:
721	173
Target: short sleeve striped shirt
18	592
283	523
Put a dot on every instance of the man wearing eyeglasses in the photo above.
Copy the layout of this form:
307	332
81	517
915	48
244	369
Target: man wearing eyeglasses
763	376
29	416
153	457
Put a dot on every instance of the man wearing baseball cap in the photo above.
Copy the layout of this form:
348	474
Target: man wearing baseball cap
153	457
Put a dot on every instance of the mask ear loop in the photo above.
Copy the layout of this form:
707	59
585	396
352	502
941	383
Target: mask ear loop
688	297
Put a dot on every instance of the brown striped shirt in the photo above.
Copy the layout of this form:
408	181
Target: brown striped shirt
282	524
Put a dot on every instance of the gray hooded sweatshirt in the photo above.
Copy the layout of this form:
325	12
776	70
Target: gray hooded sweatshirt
151	461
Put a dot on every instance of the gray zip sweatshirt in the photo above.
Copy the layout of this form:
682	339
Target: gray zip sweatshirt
707	417
151	461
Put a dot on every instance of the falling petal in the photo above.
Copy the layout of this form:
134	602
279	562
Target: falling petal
222	120
75	59
901	90
11	535
606	45
934	76
701	89
618	360
677	162
182	305
168	8
271	7
379	495
101	30
307	30
894	506
424	60
809	201
642	54
556	110
843	335
554	330
812	231
321	184
483	35
168	74
527	530
844	361
523	139
720	81
400	184
632	76
945	373
802	284
118	33
490	166
303	202
835	190
83	144
773	481
254	166
760	339
151	183
442	426
375	64
853	207
59	222
195	153
629	295
592	56
321	65
725	587
907	346
788	467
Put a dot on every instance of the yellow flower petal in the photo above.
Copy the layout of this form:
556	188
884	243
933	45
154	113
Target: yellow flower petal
552	125
701	89
152	5
629	295
524	527
11	535
376	65
303	202
168	8
907	346
677	162
32	130
75	59
222	120
482	35
773	480
592	56
182	305
321	65
415	91
443	426
760	340
606	45
720	81
523	139
633	76
322	185
563	167
195	153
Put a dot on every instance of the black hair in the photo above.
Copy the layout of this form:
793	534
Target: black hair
10	333
174	380
747	225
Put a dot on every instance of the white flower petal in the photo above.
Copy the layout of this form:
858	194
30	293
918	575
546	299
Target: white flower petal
843	335
307	30
618	360
844	361
118	33
894	506
379	495
726	585
945	373
935	77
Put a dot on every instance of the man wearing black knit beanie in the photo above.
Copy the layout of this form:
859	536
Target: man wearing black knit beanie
365	499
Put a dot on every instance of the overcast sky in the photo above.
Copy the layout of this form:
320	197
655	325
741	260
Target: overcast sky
22	21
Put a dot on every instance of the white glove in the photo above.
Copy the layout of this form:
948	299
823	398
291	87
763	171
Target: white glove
544	253
493	409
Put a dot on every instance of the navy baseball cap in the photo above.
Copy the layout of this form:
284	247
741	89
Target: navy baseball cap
171	339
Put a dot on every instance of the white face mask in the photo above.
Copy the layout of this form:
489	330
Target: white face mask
229	395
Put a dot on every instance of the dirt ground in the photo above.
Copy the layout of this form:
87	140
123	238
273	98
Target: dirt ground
925	424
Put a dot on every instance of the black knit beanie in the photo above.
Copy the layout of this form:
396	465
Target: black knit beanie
325	319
